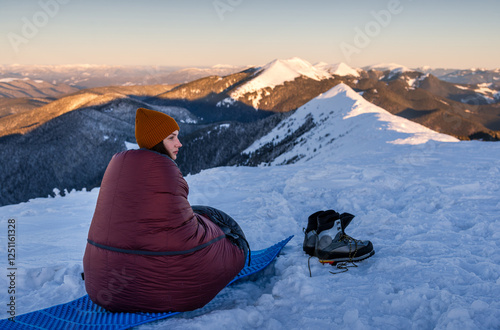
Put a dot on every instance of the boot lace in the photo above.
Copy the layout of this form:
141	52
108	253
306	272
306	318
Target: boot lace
342	266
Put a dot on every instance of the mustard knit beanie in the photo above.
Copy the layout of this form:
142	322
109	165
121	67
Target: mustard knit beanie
151	127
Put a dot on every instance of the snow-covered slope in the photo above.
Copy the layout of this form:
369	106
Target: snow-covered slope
430	208
470	76
277	73
339	69
344	122
488	92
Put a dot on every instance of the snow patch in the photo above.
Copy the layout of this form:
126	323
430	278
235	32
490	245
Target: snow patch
486	91
8	80
131	146
227	102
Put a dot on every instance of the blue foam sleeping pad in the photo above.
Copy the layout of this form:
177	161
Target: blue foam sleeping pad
82	313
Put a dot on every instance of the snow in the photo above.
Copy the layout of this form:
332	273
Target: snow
131	146
428	203
9	80
411	83
277	73
395	69
490	95
345	123
486	91
389	66
227	102
414	83
226	66
339	69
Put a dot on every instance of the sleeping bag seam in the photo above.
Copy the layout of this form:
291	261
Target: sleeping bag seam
155	253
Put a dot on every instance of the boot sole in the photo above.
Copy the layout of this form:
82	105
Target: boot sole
358	258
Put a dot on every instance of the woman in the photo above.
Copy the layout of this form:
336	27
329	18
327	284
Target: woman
148	250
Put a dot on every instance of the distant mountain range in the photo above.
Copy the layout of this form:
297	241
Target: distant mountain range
88	76
464	111
60	125
459	76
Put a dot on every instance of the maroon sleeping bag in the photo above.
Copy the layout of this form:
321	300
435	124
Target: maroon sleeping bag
147	250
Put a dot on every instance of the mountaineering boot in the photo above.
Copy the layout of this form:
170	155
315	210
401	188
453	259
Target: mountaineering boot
334	245
310	234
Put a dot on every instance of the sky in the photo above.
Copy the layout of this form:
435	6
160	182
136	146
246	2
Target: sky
440	34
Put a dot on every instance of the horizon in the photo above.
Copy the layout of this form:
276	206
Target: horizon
197	33
176	67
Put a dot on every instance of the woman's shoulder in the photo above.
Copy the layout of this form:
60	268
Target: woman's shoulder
142	165
144	155
143	161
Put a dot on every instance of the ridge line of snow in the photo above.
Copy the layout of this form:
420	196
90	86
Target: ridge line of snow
332	113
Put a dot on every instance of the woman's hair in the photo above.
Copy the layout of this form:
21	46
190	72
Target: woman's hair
160	147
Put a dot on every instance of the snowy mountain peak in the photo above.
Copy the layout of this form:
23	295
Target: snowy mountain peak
393	67
340	120
292	68
339	69
277	73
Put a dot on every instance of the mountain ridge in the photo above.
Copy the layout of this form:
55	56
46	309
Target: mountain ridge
66	142
282	86
325	123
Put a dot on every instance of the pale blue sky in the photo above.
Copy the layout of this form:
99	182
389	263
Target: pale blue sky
452	34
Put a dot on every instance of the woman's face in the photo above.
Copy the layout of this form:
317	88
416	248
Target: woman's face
172	144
